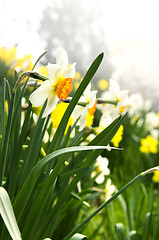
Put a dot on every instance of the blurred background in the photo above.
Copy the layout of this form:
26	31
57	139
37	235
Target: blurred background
126	31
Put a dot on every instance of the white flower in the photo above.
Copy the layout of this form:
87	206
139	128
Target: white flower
151	121
109	189
104	122
89	98
136	104
101	169
58	86
115	94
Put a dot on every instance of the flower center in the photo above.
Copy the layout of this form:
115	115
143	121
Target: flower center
92	109
64	87
122	108
98	169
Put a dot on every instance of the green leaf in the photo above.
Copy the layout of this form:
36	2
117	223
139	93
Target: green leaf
103	138
71	173
6	139
119	228
147	226
26	190
3	107
8	216
76	229
87	78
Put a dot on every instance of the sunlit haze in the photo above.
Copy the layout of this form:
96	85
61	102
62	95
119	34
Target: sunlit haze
131	34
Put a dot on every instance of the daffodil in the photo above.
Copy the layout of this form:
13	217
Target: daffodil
155	177
101	169
109	189
115	94
57	115
58	86
149	145
104	122
103	84
89	99
118	136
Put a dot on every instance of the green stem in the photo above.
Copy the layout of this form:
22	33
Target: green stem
99	101
29	74
75	230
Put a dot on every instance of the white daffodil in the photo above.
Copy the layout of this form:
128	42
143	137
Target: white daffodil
151	121
109	189
136	104
115	94
58	86
101	169
104	122
88	98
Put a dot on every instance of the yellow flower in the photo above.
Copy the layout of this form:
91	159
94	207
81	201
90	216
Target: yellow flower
24	64
103	84
8	54
148	144
118	136
89	119
43	70
57	115
155	177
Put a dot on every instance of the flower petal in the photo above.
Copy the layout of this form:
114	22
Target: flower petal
100	179
38	97
77	111
62	58
51	105
52	70
83	118
70	72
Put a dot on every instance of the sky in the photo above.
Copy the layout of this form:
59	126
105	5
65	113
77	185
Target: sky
131	32
123	19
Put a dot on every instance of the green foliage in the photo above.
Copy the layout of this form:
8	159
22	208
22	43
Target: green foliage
49	185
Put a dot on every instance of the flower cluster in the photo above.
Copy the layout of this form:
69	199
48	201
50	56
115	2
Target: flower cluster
10	58
112	103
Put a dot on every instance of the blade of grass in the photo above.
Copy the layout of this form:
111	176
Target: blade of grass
25	192
103	138
75	230
6	139
3	90
139	176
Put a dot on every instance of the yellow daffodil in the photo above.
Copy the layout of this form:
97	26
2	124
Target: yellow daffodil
89	119
118	136
155	177
103	84
148	144
57	115
58	86
8	55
